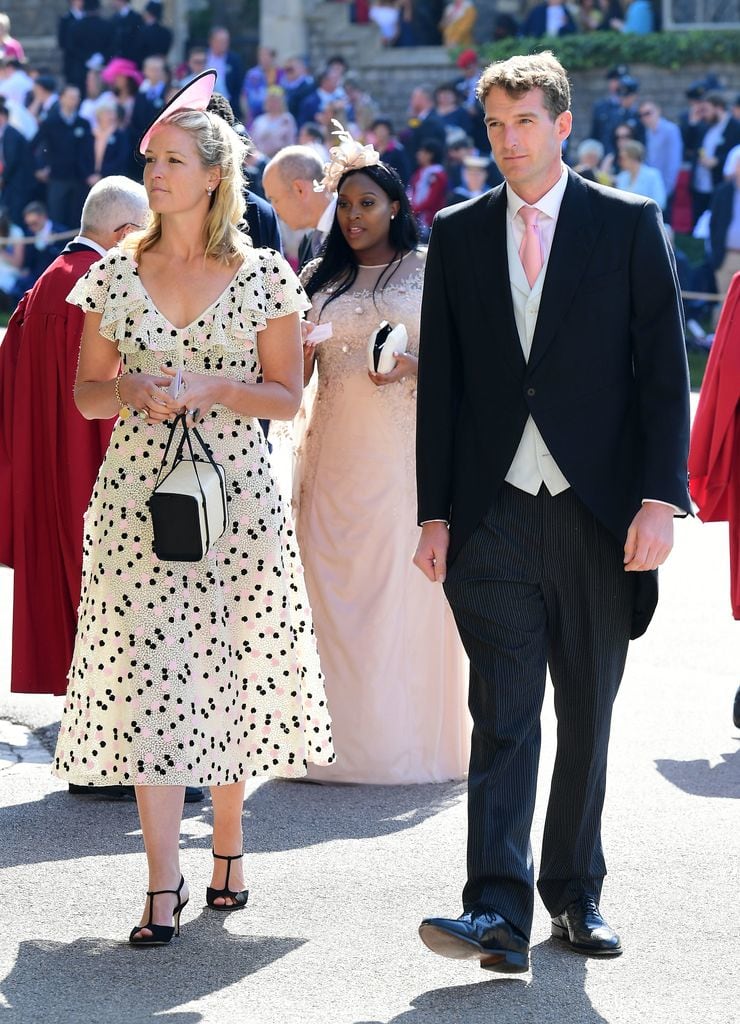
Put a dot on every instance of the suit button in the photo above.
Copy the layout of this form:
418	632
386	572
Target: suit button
530	392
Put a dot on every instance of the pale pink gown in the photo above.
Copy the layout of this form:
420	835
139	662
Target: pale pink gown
396	673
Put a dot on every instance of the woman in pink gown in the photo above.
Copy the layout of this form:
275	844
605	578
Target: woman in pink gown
394	666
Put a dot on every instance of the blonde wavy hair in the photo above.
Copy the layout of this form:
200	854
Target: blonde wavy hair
218	145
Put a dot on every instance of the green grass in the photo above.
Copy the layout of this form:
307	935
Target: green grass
694	248
697	365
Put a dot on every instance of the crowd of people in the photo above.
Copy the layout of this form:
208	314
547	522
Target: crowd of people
58	136
453	23
545	471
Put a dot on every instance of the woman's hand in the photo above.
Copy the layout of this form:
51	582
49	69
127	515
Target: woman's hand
309	350
406	366
199	392
146	393
309	347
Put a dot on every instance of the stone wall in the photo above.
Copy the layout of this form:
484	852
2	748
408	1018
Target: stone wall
34	22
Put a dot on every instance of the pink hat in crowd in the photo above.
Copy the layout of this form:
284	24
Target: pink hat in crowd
193	96
121	66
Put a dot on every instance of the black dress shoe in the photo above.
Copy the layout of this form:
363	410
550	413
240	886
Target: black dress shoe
103	792
193	794
582	925
478	935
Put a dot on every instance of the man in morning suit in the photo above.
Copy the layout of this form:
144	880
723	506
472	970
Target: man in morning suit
552	438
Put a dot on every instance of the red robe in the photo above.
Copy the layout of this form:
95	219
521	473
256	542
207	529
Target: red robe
49	459
714	457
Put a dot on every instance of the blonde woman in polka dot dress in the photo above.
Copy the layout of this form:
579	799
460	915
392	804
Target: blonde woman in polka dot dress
191	673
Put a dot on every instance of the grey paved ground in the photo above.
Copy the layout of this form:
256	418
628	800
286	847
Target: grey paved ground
340	876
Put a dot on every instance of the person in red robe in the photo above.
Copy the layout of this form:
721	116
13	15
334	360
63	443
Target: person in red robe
714	456
49	454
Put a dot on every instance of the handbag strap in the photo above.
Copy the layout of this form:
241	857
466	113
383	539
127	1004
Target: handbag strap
163	463
209	455
194	461
181	420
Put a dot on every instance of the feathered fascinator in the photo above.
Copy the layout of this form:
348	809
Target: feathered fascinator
349	155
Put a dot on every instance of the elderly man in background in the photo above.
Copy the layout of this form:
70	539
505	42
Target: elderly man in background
49	454
288	181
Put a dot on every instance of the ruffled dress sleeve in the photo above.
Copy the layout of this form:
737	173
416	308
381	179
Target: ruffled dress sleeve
108	288
90	293
273	290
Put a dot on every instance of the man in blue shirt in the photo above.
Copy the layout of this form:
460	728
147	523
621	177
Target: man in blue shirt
663	148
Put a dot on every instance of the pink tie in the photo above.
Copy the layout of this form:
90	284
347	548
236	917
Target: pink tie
530	251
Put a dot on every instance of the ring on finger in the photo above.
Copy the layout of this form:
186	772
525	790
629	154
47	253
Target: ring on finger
144	412
193	413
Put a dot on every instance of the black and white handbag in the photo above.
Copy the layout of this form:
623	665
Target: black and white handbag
188	503
383	345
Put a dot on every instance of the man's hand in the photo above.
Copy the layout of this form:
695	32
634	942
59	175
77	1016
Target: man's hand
649	538
431	552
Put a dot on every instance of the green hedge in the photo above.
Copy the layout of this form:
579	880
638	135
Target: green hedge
602	49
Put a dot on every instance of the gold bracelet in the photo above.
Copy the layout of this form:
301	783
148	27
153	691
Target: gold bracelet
123	410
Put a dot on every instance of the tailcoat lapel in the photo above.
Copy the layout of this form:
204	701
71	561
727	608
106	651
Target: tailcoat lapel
491	264
575	235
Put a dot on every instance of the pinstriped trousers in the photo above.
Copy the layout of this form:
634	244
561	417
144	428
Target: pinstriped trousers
539	583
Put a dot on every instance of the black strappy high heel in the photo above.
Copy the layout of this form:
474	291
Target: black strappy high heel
239	898
161	933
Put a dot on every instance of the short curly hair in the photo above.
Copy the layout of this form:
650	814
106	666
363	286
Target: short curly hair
519	75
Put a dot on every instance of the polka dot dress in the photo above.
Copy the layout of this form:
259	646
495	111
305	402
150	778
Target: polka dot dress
191	673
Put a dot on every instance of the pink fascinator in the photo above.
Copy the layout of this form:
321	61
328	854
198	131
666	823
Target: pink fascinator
349	155
193	96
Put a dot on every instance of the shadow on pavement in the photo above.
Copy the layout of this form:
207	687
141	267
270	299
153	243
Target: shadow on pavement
699	778
280	815
62	827
103	981
554	992
312	814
